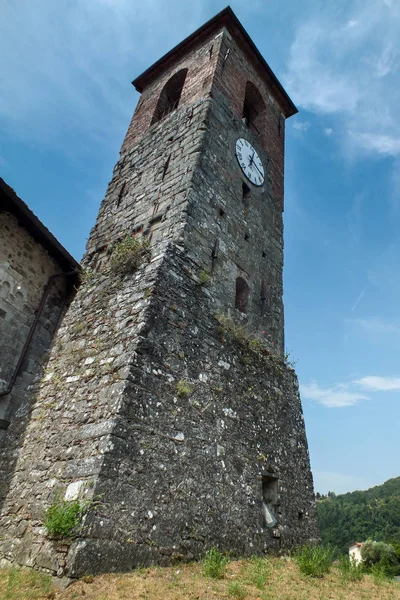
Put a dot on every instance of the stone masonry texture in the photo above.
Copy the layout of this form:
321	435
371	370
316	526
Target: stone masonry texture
25	268
170	410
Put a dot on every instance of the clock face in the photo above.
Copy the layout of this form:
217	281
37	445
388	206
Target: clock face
249	162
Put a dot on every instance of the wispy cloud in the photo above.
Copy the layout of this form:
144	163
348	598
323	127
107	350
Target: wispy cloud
301	125
341	395
359	298
344	61
64	65
336	396
377	325
378	384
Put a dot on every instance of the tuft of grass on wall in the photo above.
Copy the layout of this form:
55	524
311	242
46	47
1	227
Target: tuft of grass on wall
184	388
129	253
62	517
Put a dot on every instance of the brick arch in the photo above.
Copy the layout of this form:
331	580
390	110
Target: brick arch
170	96
254	109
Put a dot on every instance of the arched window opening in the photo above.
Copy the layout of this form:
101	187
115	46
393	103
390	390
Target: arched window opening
253	108
242	294
170	96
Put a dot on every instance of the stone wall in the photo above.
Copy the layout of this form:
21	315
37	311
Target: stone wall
79	398
25	268
203	419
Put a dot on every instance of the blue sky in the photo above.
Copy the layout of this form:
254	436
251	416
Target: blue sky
65	104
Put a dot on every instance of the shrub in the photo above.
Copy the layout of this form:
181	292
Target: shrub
314	561
129	253
214	563
63	516
237	591
379	553
349	569
379	573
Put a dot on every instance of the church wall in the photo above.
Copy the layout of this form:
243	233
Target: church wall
25	268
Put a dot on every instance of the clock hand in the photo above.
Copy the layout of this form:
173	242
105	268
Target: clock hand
262	174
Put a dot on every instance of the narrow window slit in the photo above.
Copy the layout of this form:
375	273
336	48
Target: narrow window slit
165	167
242	294
121	193
246	195
270	499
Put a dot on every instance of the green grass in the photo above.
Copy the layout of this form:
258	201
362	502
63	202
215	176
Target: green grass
379	574
24	584
349	569
239	580
236	591
314	561
257	571
215	563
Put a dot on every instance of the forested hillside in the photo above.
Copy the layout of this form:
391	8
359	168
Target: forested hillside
357	516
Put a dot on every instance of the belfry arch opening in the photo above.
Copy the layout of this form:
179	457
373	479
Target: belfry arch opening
242	294
253	109
170	96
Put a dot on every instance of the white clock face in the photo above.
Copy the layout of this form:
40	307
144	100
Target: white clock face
249	162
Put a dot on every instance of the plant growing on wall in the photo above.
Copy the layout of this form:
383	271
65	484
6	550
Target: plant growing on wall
129	253
63	517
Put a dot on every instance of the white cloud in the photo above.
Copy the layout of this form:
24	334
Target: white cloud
337	396
377	326
328	131
301	125
344	61
341	395
382	144
378	384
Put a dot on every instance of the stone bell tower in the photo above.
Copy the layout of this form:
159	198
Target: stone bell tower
167	399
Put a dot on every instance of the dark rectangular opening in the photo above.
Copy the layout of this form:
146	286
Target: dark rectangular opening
270	499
